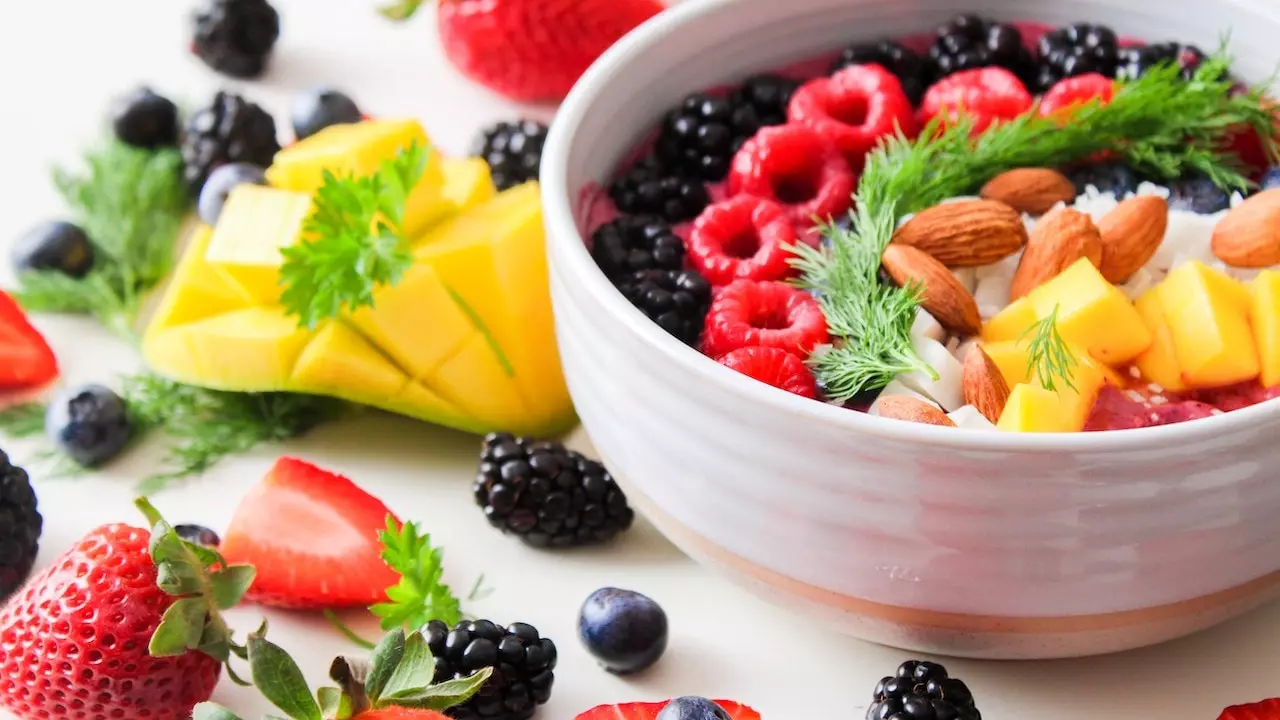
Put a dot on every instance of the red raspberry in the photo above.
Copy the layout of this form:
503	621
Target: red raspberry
742	237
797	167
769	314
775	367
1075	91
989	95
856	107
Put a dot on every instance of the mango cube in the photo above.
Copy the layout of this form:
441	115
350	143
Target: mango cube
467	181
1010	323
1212	340
1093	314
1014	361
1159	363
255	224
1265	311
1031	408
1229	288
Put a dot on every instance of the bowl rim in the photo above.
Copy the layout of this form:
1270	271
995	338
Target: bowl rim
569	250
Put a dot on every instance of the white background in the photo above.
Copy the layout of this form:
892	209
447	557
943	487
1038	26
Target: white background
60	61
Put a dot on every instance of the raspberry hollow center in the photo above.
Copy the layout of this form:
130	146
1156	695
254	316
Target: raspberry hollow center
743	244
798	185
848	108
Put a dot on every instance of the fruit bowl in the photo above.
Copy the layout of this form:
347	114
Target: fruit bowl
953	541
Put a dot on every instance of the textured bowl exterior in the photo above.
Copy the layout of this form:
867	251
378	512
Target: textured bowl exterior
951	541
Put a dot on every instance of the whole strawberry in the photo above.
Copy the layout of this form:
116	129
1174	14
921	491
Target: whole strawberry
115	623
529	50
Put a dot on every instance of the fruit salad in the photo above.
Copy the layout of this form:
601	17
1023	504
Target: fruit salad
1001	226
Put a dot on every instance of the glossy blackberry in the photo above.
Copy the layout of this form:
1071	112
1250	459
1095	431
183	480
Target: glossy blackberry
908	66
922	691
235	37
761	101
513	151
677	300
548	495
648	188
971	41
1134	62
630	244
231	129
1075	50
1115	178
20	526
523	665
698	138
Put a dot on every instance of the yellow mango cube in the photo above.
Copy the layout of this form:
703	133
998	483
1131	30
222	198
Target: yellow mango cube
1212	340
1159	363
1013	358
1010	323
1093	314
255	224
1265	311
1031	408
1229	288
467	181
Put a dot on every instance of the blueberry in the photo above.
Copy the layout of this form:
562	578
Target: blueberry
316	110
220	184
624	630
146	120
1271	178
89	424
1115	178
198	534
1199	195
692	708
58	246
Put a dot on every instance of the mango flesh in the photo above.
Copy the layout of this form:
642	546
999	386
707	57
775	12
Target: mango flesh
1093	313
1265	313
1159	363
1212	339
1010	323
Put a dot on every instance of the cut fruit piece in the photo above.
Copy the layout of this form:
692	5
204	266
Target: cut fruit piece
651	710
1212	339
337	358
477	380
1033	408
1265	312
255	224
1010	323
26	360
1093	314
1159	363
1014	362
467	181
253	349
417	401
198	289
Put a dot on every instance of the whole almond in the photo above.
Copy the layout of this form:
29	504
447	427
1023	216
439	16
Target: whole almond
966	233
905	407
1030	190
1249	235
984	386
1061	237
1131	234
943	295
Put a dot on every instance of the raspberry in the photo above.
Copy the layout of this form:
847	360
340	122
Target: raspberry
767	314
856	107
742	237
797	167
989	95
1076	91
775	367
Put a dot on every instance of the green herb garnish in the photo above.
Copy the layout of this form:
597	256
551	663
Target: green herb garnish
131	203
352	242
401	9
1160	123
1049	356
421	595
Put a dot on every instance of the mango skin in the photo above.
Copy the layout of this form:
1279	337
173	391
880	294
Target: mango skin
1265	314
1212	338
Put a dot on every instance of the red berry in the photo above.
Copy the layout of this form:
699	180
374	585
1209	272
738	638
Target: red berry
26	360
797	167
742	237
1075	91
650	711
1265	710
856	108
767	314
775	367
989	95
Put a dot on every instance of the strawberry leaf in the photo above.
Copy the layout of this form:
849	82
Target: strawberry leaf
416	669
212	711
279	680
230	584
334	704
401	10
180	629
442	696
382	664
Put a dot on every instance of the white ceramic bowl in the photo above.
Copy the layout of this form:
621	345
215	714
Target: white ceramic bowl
957	542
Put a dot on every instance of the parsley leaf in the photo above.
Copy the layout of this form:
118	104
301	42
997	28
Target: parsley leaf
420	596
352	241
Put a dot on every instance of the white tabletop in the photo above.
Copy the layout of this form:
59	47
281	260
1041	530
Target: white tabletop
61	62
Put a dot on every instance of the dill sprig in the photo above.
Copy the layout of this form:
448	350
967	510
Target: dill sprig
1160	123
1049	355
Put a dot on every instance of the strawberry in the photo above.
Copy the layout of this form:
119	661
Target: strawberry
26	360
649	711
313	536
1264	710
125	624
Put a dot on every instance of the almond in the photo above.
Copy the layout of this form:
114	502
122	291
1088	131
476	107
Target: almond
966	233
984	386
1060	238
944	296
905	407
1249	236
1131	234
1030	190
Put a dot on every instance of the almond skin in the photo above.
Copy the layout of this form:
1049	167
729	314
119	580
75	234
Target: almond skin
1060	238
1249	235
944	297
1131	234
967	233
1030	190
904	407
984	387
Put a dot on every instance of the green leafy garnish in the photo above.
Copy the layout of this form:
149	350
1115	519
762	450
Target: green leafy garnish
352	242
401	9
23	421
1161	124
1049	355
420	596
131	203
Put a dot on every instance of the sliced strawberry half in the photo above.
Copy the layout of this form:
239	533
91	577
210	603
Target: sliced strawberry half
1265	710
313	536
26	360
649	711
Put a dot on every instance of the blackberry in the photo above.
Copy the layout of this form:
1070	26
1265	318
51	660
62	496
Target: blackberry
892	56
20	526
235	37
648	188
630	244
548	495
971	41
698	138
761	101
523	665
922	691
1115	178
513	151
677	300
1134	62
231	129
1075	50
